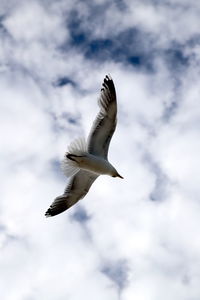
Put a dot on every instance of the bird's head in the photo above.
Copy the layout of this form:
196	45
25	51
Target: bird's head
116	174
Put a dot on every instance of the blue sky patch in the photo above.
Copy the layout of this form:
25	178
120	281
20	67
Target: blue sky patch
117	272
176	58
61	81
131	46
80	215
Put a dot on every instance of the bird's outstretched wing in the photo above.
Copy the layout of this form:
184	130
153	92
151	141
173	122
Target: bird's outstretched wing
76	189
105	122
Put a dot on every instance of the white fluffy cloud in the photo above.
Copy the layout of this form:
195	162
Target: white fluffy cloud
136	238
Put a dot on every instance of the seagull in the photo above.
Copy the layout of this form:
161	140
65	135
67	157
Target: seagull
85	161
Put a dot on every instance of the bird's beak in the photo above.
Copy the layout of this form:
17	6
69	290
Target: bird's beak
120	176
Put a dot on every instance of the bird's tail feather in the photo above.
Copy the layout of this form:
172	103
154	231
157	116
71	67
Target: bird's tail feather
77	147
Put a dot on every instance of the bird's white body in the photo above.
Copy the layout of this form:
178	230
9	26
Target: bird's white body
95	164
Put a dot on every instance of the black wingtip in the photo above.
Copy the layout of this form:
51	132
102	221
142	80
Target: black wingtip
107	78
58	206
48	213
108	84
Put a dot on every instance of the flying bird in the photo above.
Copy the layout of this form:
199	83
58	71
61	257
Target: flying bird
85	161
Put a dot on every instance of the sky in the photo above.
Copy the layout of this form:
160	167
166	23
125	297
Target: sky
136	238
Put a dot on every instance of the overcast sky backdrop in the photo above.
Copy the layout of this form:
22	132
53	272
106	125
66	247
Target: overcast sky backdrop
136	238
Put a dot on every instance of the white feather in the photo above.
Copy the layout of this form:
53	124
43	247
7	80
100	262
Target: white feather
69	167
77	147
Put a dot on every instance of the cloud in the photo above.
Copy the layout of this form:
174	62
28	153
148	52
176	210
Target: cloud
136	238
